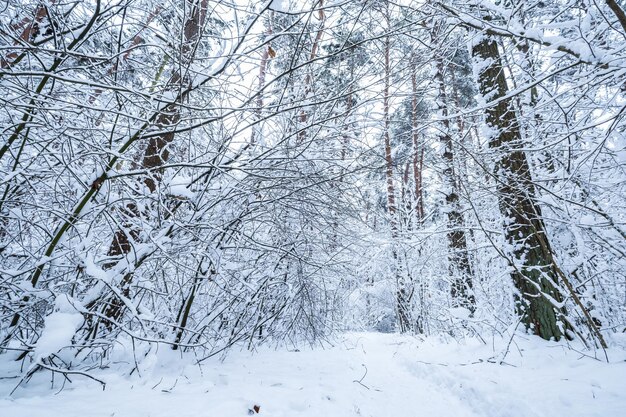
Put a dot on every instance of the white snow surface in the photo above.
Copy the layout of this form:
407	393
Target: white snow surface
363	374
59	328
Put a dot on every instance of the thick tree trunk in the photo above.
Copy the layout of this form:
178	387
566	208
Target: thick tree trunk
30	30
538	300
156	154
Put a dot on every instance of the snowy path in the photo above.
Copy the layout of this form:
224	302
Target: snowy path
405	377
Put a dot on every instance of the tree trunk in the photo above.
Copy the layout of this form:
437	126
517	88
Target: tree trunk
418	152
308	81
268	53
460	268
538	300
156	154
30	30
403	291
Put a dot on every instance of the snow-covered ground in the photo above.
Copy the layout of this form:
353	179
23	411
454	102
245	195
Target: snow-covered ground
363	374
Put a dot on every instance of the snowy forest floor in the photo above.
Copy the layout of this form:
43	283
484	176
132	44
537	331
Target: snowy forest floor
363	374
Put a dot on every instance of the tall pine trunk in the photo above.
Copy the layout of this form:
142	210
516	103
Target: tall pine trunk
538	300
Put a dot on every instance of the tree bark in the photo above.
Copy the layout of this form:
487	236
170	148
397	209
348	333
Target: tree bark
538	299
268	53
156	154
30	30
308	81
403	290
418	153
618	12
460	267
